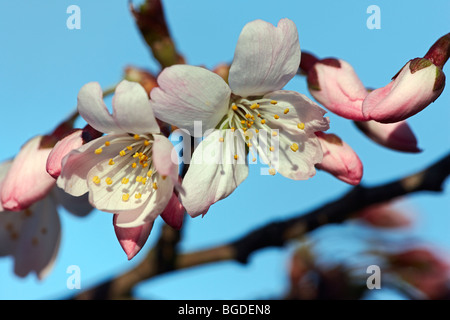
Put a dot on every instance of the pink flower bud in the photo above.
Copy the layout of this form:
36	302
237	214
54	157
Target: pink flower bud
173	214
336	86
339	159
27	181
132	239
397	136
417	85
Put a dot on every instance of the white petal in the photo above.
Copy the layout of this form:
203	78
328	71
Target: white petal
186	94
266	58
132	110
212	175
93	109
76	165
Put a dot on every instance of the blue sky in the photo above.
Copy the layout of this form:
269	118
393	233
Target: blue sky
43	65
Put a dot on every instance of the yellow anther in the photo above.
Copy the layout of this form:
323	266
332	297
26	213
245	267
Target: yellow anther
254	106
135	155
125	197
108	180
272	171
134	165
107	143
263	121
259	115
256	130
242	121
138	179
111	162
232	129
234	107
276	116
138	195
130	148
98	151
236	157
273	102
122	153
249	144
244	128
154	185
146	143
136	137
164	177
221	139
272	148
274	133
286	110
145	165
96	180
294	147
125	180
254	159
144	180
301	125
248	116
149	173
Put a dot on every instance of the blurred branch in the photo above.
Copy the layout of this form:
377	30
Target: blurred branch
164	258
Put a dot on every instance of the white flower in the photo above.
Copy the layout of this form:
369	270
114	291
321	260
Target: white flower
266	58
129	171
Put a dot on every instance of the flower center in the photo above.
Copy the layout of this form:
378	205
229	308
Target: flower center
131	169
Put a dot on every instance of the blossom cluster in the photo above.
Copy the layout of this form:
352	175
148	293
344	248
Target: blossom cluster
124	163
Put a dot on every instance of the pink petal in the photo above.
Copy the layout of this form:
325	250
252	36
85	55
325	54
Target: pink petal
61	149
337	87
266	58
132	110
132	239
186	94
397	136
173	214
340	159
27	180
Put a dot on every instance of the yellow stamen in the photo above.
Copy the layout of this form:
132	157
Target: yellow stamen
107	143
154	185
134	165
98	151
234	107
136	137
221	139
294	147
274	133
272	171
254	106
130	148
125	197
111	162
144	180
108	180
263	121
272	148
138	179
122	153
146	143
125	180
286	110
254	159
149	173
138	195
301	125
273	102
145	165
276	116
96	180
236	157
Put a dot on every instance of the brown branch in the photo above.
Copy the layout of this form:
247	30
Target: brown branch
163	258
